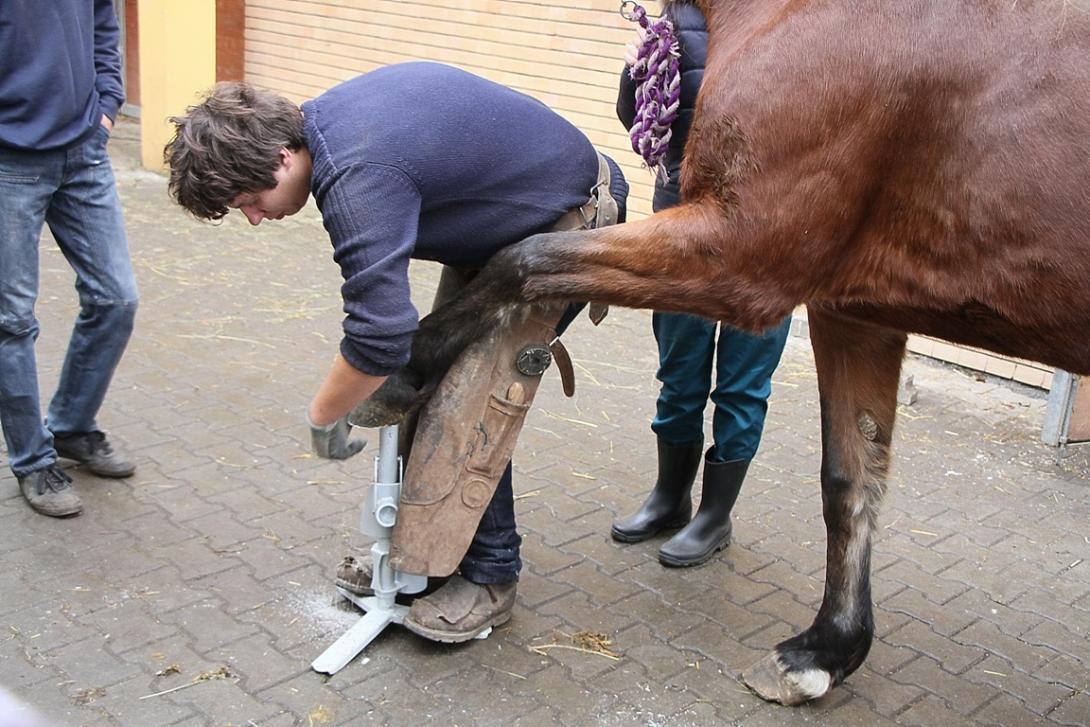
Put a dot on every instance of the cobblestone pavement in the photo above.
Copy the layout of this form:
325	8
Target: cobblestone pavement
218	554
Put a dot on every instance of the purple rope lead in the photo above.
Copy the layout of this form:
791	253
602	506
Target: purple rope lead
658	89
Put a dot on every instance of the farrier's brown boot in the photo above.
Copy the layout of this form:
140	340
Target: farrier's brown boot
461	610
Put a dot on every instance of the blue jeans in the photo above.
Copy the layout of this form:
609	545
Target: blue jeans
493	556
743	381
73	191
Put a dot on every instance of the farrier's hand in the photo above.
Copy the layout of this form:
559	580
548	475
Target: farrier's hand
331	441
632	50
105	121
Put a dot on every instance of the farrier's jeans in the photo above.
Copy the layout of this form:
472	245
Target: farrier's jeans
73	191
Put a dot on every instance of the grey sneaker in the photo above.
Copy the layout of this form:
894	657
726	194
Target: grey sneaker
50	492
92	449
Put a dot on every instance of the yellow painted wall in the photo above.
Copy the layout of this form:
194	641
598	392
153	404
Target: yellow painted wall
177	64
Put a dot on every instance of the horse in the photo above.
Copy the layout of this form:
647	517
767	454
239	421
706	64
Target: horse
919	166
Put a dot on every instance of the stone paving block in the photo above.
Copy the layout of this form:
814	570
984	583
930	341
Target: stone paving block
223	701
740	621
946	620
611	557
961	696
954	656
195	559
667	618
1066	671
931	711
546	561
127	625
1036	695
180	503
936	588
571	699
1014	621
208	625
88	664
19	668
1005	710
720	646
599	588
222	529
1075	710
257	663
533	590
1069	638
1025	655
129	703
885	696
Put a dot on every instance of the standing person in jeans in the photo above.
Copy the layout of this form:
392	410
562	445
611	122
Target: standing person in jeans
413	160
688	345
60	89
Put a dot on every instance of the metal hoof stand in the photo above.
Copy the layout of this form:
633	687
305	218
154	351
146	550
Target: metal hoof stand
377	520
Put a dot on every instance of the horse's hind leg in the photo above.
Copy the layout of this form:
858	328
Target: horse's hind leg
682	259
858	367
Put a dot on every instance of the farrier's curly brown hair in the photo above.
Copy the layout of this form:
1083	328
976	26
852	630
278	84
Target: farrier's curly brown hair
229	144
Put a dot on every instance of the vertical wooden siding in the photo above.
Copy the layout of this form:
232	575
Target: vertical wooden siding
569	54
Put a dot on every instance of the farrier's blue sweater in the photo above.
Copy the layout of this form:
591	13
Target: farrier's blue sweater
60	71
423	160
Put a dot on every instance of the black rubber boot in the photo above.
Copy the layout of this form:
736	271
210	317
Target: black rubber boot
670	504
709	531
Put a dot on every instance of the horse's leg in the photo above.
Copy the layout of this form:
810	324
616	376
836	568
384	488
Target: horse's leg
858	367
683	259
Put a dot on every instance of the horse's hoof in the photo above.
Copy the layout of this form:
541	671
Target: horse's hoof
390	404
774	682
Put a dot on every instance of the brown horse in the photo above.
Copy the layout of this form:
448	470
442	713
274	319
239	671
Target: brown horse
909	166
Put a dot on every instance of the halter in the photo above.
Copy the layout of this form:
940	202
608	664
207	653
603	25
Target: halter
658	86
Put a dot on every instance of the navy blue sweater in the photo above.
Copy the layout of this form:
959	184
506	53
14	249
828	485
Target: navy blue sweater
423	160
60	71
692	35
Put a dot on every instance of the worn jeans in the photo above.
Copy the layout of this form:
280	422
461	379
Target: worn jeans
743	381
73	191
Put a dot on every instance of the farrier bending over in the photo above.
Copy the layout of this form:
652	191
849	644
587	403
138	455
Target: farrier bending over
415	160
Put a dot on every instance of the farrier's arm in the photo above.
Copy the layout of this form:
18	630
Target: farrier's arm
371	213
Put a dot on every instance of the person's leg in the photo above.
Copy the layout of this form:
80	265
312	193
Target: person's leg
493	556
85	217
685	346
27	181
744	366
743	383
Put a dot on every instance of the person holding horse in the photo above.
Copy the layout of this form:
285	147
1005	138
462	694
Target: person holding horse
688	346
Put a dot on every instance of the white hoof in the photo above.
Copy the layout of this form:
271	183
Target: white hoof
771	681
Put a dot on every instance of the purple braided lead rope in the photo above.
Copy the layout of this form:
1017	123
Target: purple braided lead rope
658	88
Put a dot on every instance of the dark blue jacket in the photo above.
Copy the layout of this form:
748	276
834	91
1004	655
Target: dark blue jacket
693	43
60	71
423	160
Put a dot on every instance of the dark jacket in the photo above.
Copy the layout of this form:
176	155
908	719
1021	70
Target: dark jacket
60	71
693	44
423	160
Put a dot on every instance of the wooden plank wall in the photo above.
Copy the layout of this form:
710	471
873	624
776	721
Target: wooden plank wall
567	53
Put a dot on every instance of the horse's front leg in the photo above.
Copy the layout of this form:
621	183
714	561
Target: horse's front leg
858	367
